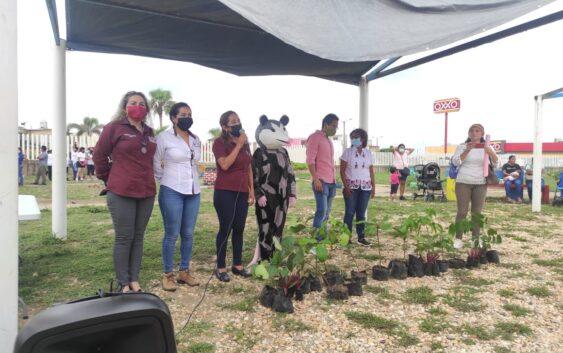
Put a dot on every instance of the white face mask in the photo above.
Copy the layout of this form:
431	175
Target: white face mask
401	150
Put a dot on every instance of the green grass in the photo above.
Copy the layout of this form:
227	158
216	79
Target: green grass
479	332
245	337
541	292
499	349
368	320
463	299
247	305
516	310
390	327
505	293
201	347
420	295
198	328
466	278
382	292
287	324
506	330
433	325
437	311
549	263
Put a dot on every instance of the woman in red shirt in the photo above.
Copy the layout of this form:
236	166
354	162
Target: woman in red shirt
234	191
130	146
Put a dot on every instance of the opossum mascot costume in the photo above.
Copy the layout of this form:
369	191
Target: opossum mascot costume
274	184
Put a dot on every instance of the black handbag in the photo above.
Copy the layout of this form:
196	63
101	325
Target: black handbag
492	178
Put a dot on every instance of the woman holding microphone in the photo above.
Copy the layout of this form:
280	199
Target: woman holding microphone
234	191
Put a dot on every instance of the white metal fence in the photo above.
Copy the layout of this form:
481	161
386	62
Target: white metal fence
31	145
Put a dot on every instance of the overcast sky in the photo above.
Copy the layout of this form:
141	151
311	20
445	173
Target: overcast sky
495	82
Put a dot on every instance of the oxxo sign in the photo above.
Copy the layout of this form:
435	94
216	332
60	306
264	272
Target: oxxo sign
447	105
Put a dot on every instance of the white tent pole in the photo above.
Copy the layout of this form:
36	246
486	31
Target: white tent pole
59	220
538	162
8	177
364	104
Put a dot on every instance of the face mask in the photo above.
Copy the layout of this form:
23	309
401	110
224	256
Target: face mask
136	112
235	130
356	142
330	131
401	150
184	124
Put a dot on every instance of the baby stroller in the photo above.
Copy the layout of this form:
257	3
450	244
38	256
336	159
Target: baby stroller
428	180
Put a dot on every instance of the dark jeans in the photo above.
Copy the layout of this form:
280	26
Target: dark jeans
530	185
232	209
50	172
130	217
357	204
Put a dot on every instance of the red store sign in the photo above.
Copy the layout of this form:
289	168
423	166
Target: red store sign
447	105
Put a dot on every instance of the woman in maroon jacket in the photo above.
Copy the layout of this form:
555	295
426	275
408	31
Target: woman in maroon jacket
130	146
234	191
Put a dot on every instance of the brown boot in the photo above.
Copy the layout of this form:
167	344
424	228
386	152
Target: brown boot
168	282
187	278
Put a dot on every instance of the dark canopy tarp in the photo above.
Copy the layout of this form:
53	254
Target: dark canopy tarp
204	32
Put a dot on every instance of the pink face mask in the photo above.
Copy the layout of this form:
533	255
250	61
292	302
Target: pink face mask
136	112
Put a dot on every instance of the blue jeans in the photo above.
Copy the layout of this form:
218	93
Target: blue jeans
357	204
513	193
179	215
20	174
324	203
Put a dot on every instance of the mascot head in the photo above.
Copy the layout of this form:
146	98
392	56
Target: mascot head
271	134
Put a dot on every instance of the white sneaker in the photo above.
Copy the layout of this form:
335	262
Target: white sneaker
458	244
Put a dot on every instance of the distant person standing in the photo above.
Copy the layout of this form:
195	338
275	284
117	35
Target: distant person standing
90	162
21	161
130	144
320	160
73	161
400	160
394	181
50	165
41	166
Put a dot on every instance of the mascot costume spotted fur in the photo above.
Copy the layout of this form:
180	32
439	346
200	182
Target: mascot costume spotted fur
274	184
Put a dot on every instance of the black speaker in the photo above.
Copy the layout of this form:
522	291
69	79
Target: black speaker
133	322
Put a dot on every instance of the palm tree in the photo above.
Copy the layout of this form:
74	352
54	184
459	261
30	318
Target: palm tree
215	132
161	102
89	127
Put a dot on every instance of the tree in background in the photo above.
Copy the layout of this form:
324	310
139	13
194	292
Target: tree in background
215	132
160	102
88	127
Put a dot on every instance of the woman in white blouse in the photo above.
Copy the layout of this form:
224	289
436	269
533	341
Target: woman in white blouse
356	172
471	185
175	166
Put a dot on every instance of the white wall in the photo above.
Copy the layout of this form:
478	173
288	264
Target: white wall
9	175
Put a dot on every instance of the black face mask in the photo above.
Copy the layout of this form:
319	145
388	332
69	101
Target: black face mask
235	130
184	124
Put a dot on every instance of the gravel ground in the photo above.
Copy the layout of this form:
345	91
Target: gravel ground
231	318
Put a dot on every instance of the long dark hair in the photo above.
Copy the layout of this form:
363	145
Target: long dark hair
174	111
223	121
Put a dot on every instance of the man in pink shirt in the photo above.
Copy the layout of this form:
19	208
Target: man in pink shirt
320	160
